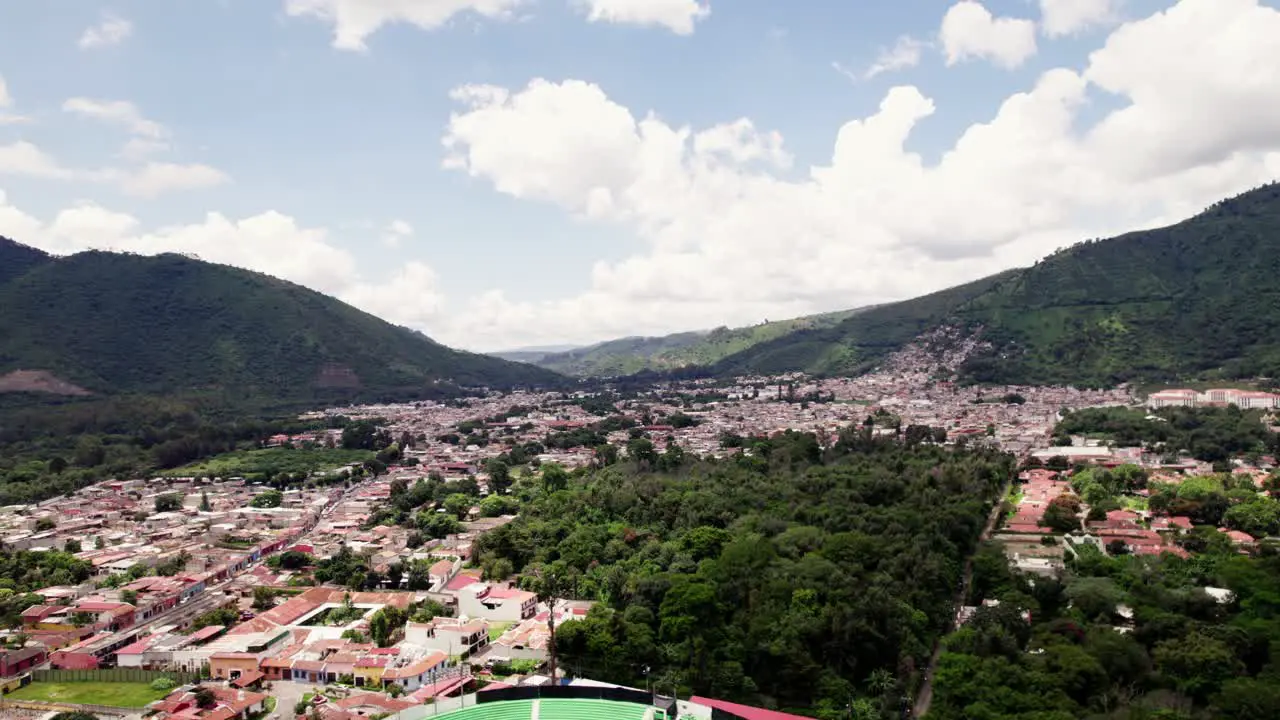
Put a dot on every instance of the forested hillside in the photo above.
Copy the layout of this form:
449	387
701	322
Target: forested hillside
1119	638
1200	298
116	323
792	577
632	355
859	342
17	259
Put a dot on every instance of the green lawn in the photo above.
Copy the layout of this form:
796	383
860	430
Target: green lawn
496	630
112	694
243	463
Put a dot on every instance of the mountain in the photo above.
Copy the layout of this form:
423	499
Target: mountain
17	259
1197	299
115	323
631	355
856	343
532	354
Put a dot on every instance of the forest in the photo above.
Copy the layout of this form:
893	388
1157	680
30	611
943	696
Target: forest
1118	638
1211	434
789	576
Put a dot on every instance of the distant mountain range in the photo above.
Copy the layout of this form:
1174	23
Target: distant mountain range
1198	299
631	355
115	323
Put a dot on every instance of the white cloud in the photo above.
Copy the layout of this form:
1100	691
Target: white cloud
397	231
969	30
409	296
6	101
116	112
1202	83
678	16
355	20
140	148
157	178
150	178
728	240
23	158
904	54
1067	17
112	30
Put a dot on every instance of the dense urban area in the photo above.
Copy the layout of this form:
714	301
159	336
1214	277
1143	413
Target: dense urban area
890	544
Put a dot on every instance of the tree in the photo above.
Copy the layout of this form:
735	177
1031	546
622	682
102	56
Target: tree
1095	597
74	715
458	505
1248	699
264	598
46	524
205	698
169	502
1061	514
555	478
295	560
72	546
268	499
204	502
129	596
1199	663
499	475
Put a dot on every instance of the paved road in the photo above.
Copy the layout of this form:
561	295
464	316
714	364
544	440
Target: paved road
924	698
287	694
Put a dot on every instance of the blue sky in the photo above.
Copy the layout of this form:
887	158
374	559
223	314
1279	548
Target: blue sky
309	152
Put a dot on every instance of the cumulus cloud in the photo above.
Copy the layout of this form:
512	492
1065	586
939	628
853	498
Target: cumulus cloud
678	16
112	30
970	31
732	233
1067	17
731	240
355	20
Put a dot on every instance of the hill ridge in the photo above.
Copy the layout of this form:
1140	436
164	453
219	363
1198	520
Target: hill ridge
122	323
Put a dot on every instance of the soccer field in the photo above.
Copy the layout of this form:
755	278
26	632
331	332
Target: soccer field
111	694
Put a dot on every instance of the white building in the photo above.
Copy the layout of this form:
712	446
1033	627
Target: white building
501	604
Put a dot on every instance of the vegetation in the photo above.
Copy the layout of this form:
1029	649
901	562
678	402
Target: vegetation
116	323
1197	299
221	616
269	463
1208	434
628	356
53	449
111	694
1183	655
792	575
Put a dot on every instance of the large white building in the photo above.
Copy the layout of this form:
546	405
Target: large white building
1246	399
496	603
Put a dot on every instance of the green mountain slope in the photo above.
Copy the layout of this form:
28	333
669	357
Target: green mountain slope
1197	299
631	355
857	343
116	323
17	259
1200	298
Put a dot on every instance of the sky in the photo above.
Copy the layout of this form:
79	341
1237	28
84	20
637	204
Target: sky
512	173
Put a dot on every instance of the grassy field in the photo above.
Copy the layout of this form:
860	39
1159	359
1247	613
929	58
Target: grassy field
113	694
243	463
